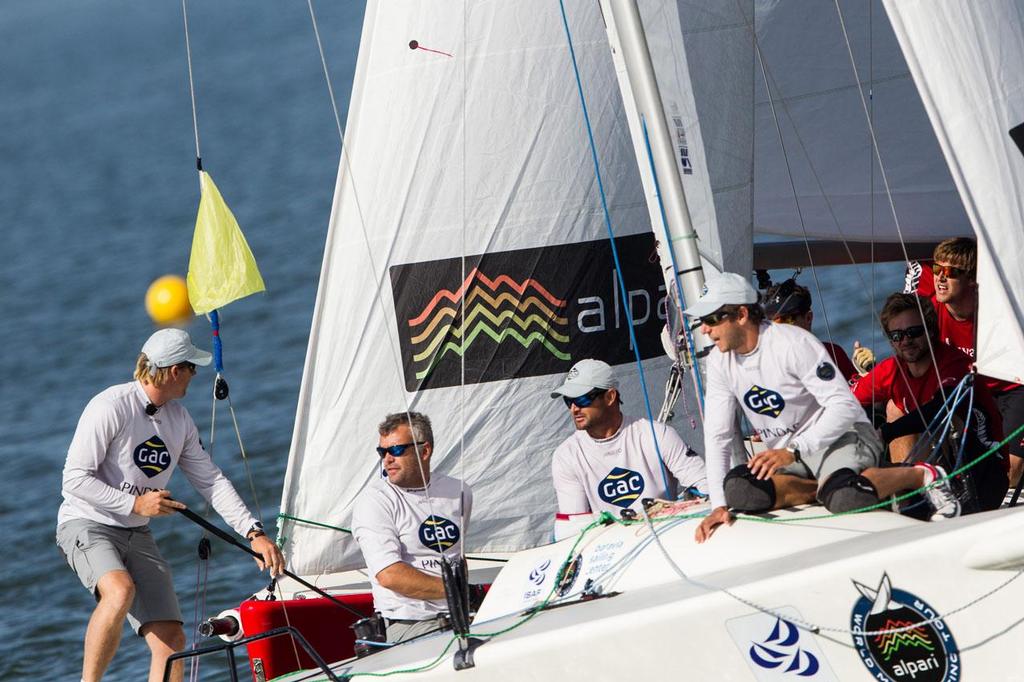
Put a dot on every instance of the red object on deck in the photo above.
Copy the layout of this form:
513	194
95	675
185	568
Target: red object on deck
326	626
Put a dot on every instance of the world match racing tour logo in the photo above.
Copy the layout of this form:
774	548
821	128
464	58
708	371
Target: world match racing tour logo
913	642
528	312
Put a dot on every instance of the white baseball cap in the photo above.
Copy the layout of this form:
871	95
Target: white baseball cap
584	377
173	346
725	288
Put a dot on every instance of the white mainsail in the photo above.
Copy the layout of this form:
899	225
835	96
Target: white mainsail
966	59
482	154
827	137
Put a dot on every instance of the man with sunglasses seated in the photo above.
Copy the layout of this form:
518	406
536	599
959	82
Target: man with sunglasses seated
790	303
949	283
404	522
611	463
912	386
819	441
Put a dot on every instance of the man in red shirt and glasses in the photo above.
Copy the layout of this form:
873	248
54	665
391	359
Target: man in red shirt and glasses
949	283
915	383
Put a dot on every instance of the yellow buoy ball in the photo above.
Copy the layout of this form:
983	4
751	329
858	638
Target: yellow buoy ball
167	300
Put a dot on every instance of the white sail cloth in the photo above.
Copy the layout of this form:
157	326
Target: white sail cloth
967	60
827	137
481	152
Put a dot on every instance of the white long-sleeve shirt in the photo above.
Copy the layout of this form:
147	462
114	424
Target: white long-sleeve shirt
789	390
119	452
615	473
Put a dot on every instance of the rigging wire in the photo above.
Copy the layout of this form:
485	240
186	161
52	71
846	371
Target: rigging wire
191	84
885	181
614	248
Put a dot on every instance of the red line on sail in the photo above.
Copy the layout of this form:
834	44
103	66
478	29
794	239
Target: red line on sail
491	284
415	45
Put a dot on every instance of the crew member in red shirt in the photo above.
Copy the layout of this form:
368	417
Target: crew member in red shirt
949	283
790	303
908	385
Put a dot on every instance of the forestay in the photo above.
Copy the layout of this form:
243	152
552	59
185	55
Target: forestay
966	59
483	154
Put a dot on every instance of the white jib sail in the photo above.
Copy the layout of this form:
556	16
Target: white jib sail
967	60
471	144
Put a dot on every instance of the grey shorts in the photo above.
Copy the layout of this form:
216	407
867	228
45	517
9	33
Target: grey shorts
402	631
93	550
857	449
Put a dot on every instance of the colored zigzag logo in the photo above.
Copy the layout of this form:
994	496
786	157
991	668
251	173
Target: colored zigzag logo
445	330
892	642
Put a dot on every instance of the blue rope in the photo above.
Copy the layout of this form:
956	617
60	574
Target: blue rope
675	266
611	238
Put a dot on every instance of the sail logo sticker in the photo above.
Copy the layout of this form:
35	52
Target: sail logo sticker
780	649
621	487
538	574
152	456
529	312
900	637
438	533
764	401
776	649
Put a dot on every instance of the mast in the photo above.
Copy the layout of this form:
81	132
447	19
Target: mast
656	155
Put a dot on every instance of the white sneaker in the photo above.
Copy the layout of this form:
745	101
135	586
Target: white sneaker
941	496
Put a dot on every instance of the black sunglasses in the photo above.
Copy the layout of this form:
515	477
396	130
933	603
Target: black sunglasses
397	450
897	335
712	319
585	400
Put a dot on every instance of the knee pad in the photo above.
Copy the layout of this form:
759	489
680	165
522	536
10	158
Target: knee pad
845	491
745	493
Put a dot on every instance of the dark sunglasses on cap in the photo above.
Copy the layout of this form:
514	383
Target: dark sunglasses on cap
397	450
948	271
897	335
585	400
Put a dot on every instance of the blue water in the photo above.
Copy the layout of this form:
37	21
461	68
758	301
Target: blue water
98	191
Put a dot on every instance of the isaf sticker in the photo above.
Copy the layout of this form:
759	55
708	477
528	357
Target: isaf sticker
621	487
764	401
775	649
438	533
152	456
911	644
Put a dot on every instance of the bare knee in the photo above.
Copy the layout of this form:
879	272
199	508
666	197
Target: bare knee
116	589
164	636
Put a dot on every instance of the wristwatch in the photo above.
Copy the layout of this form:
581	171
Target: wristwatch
795	450
254	532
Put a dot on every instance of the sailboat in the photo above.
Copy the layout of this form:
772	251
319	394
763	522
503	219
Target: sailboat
468	265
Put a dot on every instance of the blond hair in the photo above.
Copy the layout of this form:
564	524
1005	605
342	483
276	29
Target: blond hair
142	372
960	252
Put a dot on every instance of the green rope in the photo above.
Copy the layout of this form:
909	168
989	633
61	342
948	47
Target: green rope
313	523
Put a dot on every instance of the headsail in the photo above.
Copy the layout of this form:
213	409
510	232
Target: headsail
966	59
469	175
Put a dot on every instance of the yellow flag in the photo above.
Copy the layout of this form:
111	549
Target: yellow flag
221	268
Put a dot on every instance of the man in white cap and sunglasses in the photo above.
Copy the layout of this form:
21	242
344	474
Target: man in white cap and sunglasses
613	462
819	441
405	521
129	440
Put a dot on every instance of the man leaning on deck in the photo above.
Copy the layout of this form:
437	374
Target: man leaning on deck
819	441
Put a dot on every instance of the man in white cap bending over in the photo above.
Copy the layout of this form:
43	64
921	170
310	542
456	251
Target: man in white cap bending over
129	441
612	462
819	441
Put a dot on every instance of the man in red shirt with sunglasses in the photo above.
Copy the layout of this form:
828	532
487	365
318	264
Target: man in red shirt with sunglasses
953	292
916	382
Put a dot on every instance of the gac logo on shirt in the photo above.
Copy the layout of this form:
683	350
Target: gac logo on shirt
152	456
764	401
438	533
621	487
